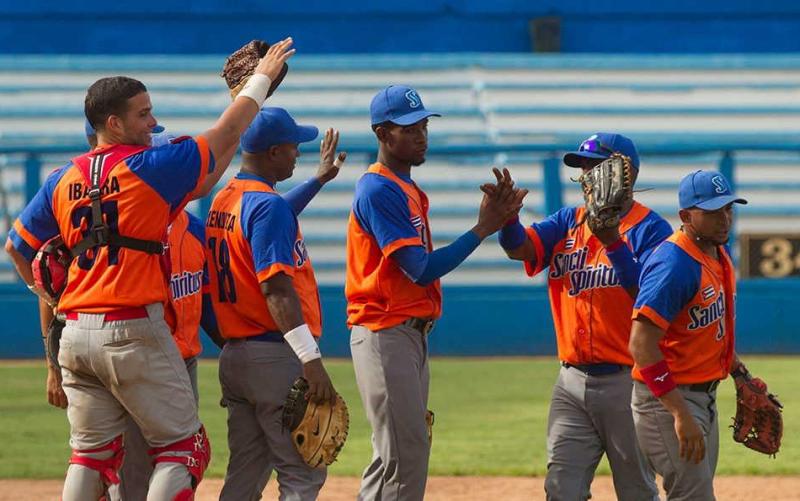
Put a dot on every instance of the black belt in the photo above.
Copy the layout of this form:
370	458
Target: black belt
269	337
597	369
423	325
707	387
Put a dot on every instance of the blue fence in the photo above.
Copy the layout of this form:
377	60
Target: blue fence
357	26
491	319
477	321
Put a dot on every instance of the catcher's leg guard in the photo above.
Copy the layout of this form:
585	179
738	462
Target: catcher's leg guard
93	470
193	452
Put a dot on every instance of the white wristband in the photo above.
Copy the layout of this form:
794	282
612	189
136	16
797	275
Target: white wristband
302	342
256	88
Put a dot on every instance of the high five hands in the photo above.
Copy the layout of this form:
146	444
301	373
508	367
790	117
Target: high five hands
501	202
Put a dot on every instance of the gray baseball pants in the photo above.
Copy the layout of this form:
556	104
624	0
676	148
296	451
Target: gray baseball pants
655	428
138	466
256	377
111	370
392	373
590	416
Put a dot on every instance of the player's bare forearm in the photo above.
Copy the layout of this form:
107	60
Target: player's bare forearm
282	301
225	134
284	306
20	263
45	316
645	336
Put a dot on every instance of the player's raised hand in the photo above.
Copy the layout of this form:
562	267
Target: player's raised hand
501	202
272	63
329	161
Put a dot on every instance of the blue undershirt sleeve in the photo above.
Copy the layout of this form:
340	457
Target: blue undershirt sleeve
424	268
299	196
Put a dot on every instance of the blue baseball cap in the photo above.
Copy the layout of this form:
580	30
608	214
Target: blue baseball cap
602	145
89	130
399	104
707	190
273	126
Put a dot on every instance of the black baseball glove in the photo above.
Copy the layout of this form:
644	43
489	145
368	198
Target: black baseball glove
52	341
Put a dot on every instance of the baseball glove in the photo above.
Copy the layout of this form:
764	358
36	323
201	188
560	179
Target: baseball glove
242	64
52	341
606	189
318	430
758	423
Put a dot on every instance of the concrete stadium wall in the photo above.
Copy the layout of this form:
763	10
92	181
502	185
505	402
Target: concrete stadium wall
413	26
477	321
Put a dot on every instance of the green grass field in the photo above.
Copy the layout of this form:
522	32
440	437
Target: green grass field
491	419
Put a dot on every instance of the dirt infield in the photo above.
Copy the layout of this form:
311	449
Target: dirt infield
454	488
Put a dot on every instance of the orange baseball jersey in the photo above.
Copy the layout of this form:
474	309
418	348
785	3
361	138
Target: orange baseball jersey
188	281
251	235
691	296
591	310
144	189
388	213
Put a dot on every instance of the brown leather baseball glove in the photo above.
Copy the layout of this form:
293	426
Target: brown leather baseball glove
758	423
319	430
606	188
241	64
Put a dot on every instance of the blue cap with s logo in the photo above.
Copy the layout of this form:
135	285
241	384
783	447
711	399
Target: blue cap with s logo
707	190
399	104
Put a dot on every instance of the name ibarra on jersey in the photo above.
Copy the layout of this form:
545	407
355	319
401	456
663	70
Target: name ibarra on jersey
185	284
80	190
222	220
702	317
581	276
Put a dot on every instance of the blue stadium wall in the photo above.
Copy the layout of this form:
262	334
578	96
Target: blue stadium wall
411	26
477	321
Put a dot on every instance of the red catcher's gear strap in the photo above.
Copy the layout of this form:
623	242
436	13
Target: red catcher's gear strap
108	468
196	455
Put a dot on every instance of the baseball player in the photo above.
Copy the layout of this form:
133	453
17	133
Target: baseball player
189	308
111	206
592	279
266	299
682	339
393	292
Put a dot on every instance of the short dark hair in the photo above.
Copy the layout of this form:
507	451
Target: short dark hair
109	96
387	124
